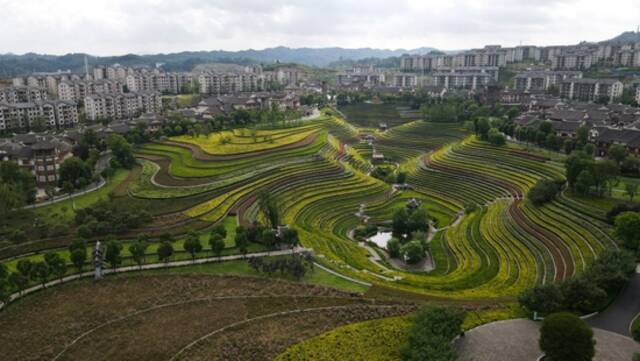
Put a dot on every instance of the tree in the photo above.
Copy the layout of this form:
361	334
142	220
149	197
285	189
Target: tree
495	137
242	241
165	251
40	271
565	337
56	264
418	221
545	299
78	258
434	327
618	153
290	237
631	189
413	252
393	246
627	228
543	191
585	182
138	250
581	295
112	254
401	178
24	267
74	171
399	224
217	244
193	245
10	199
269	238
219	229
121	150
482	128
269	209
18	281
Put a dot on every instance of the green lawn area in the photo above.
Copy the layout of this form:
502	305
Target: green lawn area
180	253
370	115
64	211
316	276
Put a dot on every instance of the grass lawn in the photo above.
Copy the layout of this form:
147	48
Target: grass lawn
316	276
370	115
64	210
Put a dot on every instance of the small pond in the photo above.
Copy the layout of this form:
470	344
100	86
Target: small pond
381	239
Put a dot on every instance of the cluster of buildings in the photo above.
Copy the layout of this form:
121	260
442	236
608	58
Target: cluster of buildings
573	57
117	92
224	105
608	124
368	77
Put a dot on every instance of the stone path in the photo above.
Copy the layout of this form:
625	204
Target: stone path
517	340
619	315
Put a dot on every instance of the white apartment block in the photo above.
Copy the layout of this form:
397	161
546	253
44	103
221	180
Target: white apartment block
122	106
228	83
591	89
173	83
56	114
78	90
638	95
543	80
404	80
463	79
22	94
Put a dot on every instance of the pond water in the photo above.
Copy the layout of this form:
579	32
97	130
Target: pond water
381	239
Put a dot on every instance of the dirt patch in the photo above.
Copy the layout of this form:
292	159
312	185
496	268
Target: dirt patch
144	317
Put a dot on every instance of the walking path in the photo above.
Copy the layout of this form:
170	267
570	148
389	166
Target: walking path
159	266
518	340
619	315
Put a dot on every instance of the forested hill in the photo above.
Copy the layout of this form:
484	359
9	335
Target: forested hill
11	64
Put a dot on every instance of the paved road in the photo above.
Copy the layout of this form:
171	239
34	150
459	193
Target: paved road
517	340
618	317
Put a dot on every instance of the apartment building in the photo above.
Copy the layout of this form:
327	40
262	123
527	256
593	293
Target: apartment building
55	114
77	90
463	79
146	80
229	83
591	89
365	76
543	80
404	80
22	94
122	106
48	81
287	76
638	95
573	60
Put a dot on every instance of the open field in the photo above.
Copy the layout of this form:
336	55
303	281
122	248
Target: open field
370	115
179	308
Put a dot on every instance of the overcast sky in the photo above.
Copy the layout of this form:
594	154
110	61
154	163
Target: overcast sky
114	27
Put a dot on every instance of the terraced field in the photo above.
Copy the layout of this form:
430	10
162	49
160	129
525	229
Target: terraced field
487	241
319	174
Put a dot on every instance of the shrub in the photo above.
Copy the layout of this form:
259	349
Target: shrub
431	334
413	252
543	191
393	246
628	229
635	330
565	337
544	299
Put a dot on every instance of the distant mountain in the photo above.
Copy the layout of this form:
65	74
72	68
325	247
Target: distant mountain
11	64
627	37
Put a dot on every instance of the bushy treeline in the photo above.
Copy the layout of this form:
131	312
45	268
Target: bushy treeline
587	292
296	265
106	217
432	333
